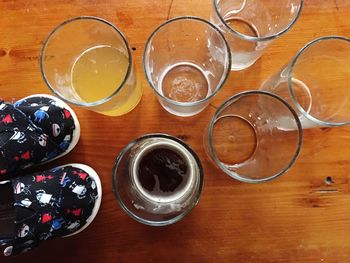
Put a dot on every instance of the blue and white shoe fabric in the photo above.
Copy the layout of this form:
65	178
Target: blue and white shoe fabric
35	130
56	203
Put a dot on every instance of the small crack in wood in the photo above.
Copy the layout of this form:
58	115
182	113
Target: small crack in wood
169	10
324	191
336	5
211	105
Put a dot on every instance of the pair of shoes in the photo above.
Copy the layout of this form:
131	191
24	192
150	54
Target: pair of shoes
56	203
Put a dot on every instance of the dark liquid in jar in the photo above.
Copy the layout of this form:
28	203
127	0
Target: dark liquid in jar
162	172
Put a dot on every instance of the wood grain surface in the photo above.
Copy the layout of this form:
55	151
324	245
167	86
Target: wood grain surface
296	218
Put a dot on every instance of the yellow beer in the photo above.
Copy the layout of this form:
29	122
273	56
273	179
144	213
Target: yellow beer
98	72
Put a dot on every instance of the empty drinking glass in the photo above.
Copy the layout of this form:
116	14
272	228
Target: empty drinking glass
247	140
316	83
186	62
250	26
87	61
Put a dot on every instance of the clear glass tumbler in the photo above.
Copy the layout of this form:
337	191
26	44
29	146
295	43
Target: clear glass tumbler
186	62
250	26
247	139
87	61
316	82
157	179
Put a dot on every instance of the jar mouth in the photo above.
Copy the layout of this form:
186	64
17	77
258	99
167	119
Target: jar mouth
258	38
47	41
179	149
291	82
223	80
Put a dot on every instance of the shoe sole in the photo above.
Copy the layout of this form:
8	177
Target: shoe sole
92	173
76	132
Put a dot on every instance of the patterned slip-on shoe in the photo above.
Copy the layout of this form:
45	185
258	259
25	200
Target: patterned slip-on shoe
56	203
35	130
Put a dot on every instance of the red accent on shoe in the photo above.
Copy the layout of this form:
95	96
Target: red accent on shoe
7	119
40	178
66	113
26	155
81	175
76	212
46	218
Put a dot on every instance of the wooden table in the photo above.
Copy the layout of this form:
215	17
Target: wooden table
296	218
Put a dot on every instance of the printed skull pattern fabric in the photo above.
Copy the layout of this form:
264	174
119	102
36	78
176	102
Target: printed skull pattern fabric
50	204
32	131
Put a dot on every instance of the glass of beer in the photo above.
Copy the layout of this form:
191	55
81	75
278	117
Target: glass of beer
250	26
157	179
186	62
316	83
254	136
87	61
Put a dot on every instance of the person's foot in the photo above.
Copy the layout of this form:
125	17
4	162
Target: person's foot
35	130
56	203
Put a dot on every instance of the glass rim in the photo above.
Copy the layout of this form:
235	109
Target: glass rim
228	102
259	39
290	81
55	30
120	200
225	74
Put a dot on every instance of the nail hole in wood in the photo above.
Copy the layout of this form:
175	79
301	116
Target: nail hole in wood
329	180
